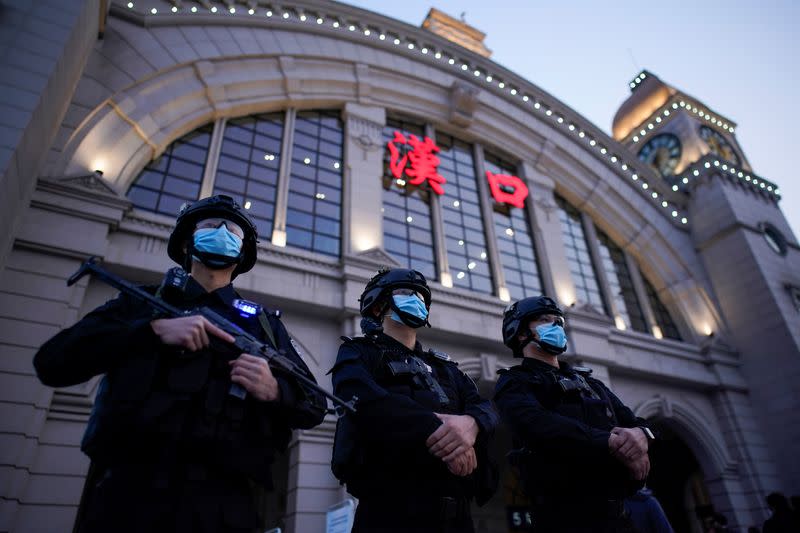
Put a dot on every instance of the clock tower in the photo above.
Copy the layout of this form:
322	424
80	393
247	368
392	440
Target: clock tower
670	130
750	256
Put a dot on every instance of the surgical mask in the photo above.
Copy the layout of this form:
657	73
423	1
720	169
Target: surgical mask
409	309
217	247
552	338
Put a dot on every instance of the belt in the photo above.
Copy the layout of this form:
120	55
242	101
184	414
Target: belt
447	508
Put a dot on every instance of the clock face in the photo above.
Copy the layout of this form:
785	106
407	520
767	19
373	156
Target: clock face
718	145
662	152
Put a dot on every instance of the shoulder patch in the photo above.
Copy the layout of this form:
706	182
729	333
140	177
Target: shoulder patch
361	339
586	371
442	356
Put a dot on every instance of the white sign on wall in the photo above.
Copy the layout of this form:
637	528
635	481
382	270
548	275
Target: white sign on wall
339	518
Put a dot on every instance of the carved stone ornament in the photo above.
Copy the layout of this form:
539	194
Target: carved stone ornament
366	134
463	102
546	204
379	256
91	181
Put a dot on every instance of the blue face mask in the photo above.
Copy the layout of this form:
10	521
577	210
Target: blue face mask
411	308
218	241
552	338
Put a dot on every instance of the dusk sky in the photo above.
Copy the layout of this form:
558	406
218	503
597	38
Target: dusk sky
739	58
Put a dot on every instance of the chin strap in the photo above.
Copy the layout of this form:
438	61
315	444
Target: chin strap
370	326
544	346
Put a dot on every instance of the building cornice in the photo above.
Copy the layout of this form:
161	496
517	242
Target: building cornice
366	27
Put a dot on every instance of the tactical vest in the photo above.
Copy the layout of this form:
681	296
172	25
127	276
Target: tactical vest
545	473
165	408
391	371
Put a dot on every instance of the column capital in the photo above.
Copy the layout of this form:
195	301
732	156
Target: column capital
375	116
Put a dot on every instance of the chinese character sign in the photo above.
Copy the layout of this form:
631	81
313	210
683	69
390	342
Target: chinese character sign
419	161
507	189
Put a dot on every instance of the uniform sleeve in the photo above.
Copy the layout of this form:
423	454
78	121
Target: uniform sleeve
481	410
113	332
543	429
303	407
410	423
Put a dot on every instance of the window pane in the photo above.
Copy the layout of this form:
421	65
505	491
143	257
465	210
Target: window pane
621	284
583	273
466	253
406	210
175	177
315	185
662	316
514	240
247	168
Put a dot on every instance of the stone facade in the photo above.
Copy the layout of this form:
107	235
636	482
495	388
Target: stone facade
156	74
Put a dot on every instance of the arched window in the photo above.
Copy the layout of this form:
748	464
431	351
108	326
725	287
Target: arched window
248	165
578	256
407	226
514	239
175	176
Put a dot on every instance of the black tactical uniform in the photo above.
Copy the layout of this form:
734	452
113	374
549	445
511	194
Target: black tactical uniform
395	473
567	469
172	450
402	486
560	420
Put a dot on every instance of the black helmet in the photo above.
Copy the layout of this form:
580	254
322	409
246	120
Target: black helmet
385	281
220	206
518	315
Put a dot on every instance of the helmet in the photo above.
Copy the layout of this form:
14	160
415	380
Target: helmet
386	280
517	316
219	206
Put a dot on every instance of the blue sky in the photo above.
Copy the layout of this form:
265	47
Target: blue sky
737	57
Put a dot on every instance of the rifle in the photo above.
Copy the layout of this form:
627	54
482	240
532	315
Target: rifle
243	341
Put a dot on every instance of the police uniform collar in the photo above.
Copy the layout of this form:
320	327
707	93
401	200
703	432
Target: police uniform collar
540	366
195	291
393	343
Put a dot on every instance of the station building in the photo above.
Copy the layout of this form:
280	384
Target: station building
356	141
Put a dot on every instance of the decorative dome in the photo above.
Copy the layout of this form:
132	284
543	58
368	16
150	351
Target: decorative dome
648	94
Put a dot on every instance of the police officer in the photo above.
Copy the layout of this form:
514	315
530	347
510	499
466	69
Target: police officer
580	450
171	449
415	452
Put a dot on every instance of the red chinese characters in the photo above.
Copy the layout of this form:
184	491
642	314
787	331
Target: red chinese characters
419	162
507	189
